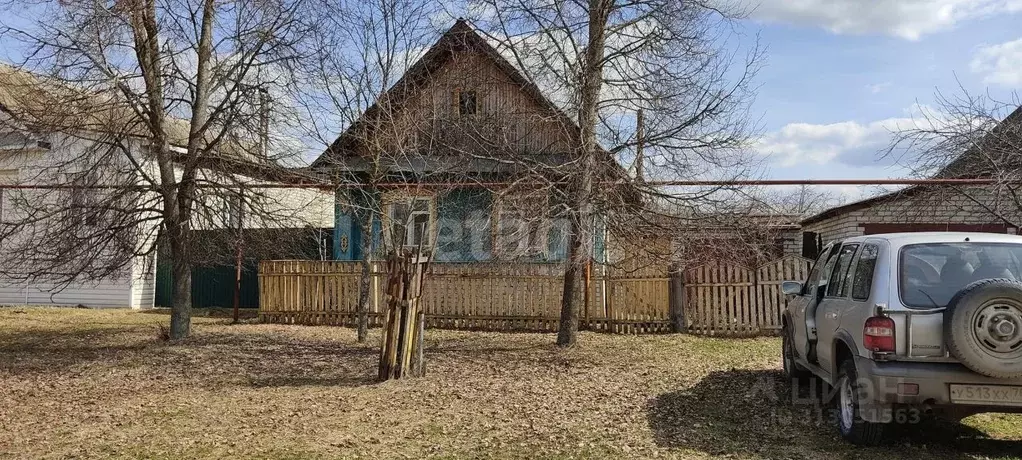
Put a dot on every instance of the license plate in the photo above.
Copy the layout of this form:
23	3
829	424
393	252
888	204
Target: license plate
998	395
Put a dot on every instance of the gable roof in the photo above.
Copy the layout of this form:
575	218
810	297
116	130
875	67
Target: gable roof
968	165
860	204
460	38
28	99
1006	135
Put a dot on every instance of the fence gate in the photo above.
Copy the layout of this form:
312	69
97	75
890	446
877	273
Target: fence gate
732	300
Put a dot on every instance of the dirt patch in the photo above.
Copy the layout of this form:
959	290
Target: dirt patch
98	384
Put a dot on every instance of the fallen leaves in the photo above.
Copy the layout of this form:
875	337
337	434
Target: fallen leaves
98	384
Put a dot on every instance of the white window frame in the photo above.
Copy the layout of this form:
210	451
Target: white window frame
7	177
231	210
390	208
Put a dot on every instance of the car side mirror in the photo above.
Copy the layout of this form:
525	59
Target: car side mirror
791	288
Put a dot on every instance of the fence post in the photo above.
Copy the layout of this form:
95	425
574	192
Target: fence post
677	296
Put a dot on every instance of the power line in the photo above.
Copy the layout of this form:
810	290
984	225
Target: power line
646	184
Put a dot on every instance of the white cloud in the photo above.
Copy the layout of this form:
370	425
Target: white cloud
1000	64
878	87
909	19
847	143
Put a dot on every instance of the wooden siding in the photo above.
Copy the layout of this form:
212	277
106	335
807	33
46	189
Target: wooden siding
464	229
507	118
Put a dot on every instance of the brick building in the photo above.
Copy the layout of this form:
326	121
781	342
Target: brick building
914	209
991	154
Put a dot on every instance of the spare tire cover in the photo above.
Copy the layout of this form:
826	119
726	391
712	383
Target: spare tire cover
983	327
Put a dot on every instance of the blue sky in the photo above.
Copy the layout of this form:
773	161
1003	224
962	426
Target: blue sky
840	73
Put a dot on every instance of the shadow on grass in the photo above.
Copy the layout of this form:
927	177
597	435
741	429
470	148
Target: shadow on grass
244	313
754	413
56	351
209	358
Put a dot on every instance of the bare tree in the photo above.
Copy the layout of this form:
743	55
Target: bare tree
368	47
609	64
158	114
800	201
965	136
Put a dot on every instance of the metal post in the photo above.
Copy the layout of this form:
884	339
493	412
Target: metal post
677	295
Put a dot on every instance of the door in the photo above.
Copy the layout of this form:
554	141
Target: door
834	302
806	300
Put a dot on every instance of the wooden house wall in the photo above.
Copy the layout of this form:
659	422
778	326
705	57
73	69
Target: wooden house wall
463	232
508	120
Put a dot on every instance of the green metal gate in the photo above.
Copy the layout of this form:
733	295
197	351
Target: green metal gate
211	286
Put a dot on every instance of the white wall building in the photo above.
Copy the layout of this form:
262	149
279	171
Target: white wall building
29	158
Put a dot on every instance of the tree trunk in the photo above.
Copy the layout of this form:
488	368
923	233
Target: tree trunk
571	296
181	311
181	306
365	279
580	250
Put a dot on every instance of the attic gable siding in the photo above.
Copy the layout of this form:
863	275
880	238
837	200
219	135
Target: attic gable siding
506	117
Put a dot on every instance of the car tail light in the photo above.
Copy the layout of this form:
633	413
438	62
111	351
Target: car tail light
878	334
908	389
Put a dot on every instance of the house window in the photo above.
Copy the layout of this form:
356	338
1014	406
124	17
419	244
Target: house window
7	177
467	102
411	222
229	210
522	225
82	200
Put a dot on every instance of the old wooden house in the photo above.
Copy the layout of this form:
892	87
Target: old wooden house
460	157
467	160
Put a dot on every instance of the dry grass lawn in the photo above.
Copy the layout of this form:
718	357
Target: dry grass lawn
98	384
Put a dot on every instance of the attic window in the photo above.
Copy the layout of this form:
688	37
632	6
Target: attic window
467	102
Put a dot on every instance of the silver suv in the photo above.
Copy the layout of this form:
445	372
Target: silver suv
909	324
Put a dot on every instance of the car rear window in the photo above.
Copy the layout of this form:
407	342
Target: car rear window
932	273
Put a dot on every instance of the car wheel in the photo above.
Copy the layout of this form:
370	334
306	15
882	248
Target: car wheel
848	412
983	327
792	369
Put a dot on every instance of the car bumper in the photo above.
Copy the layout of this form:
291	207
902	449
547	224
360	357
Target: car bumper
934	380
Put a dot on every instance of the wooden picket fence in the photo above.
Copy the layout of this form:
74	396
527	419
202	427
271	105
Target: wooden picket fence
486	296
733	300
713	299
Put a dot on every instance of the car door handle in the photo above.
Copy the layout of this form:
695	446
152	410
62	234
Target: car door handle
831	315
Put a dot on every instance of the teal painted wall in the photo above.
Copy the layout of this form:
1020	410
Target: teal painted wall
343	227
348	223
464	232
463	224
